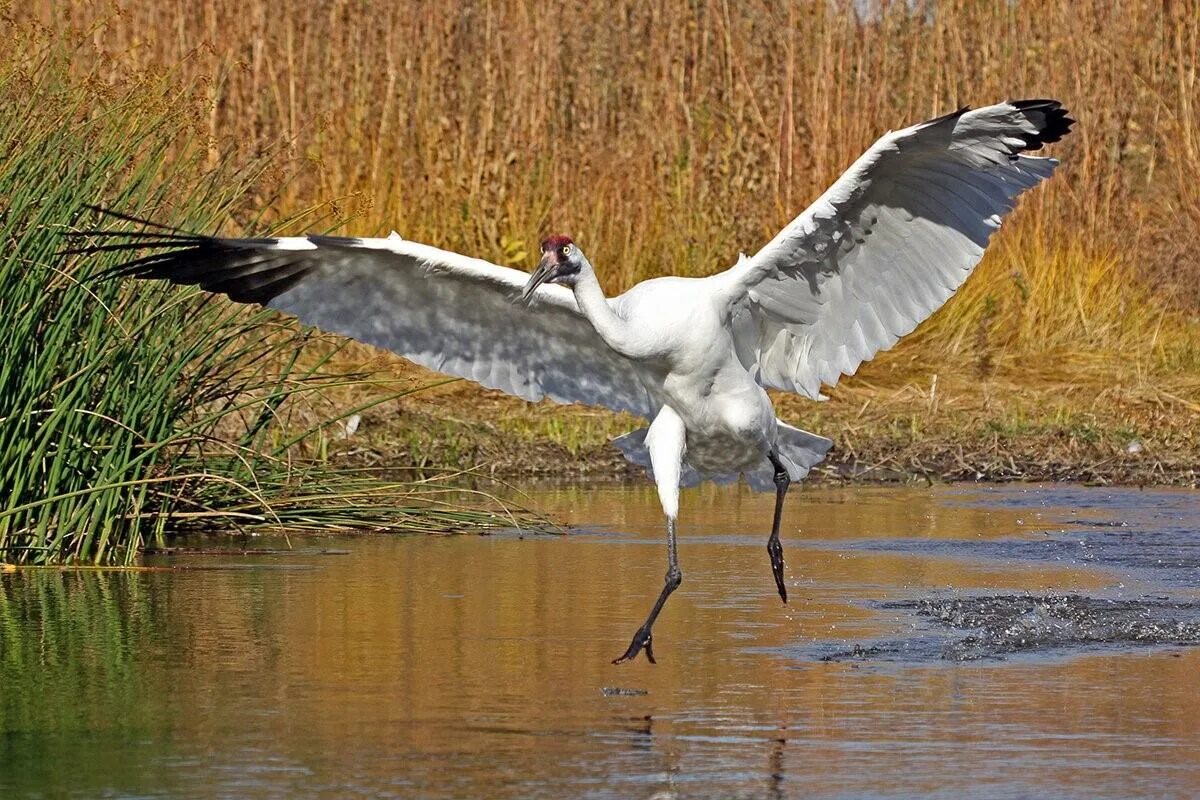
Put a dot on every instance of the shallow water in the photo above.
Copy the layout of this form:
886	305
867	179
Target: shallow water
1008	642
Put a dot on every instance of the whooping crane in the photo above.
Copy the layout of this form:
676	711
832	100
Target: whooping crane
880	251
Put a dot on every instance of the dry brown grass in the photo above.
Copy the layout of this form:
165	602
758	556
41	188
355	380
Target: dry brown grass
667	136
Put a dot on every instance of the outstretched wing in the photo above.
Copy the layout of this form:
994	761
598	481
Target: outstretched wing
447	312
888	243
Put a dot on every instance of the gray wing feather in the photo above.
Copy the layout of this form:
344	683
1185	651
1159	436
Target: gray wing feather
415	301
888	243
447	312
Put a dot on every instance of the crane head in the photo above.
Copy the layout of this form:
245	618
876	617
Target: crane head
561	263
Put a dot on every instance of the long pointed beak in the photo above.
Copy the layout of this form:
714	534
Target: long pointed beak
544	272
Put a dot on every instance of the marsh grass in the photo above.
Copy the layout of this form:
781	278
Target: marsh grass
128	410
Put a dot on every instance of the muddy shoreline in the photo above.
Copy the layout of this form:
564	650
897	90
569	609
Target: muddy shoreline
429	446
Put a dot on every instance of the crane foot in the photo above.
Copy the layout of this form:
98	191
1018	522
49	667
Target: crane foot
641	640
775	550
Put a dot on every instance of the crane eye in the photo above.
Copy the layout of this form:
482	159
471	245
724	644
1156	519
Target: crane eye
567	250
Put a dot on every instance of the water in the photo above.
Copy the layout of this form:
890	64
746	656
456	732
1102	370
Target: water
939	643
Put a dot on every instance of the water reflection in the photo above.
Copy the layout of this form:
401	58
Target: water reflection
476	665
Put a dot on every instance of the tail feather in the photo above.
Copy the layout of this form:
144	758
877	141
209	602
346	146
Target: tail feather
633	446
799	451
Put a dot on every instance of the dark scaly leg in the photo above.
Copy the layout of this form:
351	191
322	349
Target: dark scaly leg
643	638
774	548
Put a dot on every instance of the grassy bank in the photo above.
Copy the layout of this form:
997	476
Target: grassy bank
128	411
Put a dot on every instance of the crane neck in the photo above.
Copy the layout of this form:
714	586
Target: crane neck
612	328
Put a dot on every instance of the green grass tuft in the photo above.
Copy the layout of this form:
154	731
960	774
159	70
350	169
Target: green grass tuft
129	410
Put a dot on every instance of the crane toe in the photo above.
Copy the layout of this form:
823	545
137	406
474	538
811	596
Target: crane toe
642	640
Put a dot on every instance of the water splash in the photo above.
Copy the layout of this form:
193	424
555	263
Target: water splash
969	628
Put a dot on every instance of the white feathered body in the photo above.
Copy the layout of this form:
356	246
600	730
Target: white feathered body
691	365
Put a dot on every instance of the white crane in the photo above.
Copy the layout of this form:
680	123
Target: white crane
875	255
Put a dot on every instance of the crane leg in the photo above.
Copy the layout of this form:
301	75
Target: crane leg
643	639
666	440
774	548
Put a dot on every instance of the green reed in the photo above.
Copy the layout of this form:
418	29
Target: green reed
128	409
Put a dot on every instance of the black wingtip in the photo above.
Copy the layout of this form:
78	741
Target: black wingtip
958	112
96	241
1048	116
109	212
245	270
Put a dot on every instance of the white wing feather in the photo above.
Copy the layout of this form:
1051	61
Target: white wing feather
887	244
